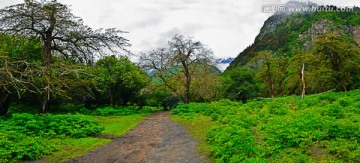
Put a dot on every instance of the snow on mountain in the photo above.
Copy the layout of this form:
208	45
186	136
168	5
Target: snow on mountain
223	63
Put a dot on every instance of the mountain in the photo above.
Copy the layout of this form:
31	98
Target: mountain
223	63
295	30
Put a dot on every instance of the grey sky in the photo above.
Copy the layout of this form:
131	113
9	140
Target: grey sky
226	26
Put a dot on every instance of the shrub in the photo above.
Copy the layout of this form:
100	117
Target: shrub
18	146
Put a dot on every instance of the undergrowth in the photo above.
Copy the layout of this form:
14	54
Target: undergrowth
320	128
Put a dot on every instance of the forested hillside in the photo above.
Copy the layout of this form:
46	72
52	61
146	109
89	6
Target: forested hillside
326	43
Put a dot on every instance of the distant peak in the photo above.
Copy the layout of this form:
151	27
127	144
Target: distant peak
224	60
300	4
223	63
295	7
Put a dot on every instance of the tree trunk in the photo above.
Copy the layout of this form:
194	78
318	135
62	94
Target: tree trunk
112	101
187	83
127	97
187	92
4	105
303	81
270	81
47	38
47	78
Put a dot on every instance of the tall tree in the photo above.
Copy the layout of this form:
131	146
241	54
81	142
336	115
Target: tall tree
240	84
266	65
341	57
176	64
61	33
120	79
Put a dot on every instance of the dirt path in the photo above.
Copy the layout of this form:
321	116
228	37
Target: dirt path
156	140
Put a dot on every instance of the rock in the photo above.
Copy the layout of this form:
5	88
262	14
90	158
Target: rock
356	34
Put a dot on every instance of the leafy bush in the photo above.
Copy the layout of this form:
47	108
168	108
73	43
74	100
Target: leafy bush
51	125
18	146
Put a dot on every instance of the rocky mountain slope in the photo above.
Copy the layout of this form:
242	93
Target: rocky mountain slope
290	33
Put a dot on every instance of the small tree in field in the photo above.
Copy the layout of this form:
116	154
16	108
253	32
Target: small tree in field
61	33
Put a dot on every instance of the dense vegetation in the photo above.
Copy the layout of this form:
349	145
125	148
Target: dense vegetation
320	128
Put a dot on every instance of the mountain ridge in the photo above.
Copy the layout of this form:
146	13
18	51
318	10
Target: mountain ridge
289	34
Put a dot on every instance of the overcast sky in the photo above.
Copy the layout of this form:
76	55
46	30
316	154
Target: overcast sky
226	26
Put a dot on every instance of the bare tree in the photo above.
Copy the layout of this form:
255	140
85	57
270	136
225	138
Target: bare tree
176	64
16	77
61	33
303	81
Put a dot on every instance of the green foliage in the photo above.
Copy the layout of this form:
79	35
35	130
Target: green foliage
240	84
344	148
18	146
341	58
23	136
51	125
323	127
120	79
231	143
20	48
156	94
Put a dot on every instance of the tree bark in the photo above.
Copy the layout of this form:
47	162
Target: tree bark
271	83
303	81
112	100
47	78
127	97
188	82
48	38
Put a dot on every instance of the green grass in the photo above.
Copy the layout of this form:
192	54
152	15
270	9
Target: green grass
72	148
115	126
197	127
120	125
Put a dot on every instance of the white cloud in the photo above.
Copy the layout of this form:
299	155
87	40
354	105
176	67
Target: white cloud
4	3
227	27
